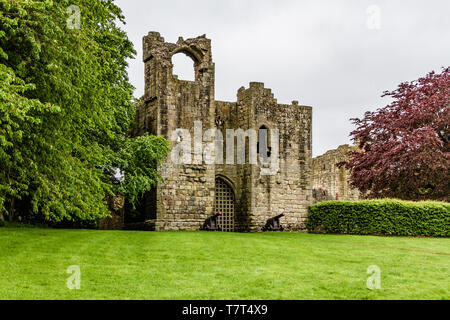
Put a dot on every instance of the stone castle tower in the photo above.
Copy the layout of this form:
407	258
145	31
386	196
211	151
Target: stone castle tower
192	192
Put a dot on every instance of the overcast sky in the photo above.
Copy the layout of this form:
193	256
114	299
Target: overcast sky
333	55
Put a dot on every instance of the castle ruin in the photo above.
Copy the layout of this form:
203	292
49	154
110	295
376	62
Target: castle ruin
331	182
190	193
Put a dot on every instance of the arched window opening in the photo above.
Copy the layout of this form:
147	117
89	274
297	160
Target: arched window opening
263	146
183	67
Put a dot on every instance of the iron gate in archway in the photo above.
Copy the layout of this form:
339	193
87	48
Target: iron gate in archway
224	202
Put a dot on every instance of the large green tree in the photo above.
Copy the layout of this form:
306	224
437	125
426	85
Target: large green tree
66	110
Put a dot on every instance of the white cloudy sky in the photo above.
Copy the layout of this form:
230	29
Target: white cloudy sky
321	53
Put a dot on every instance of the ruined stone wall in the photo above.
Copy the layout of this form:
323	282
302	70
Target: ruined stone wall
116	209
232	115
186	197
331	182
289	190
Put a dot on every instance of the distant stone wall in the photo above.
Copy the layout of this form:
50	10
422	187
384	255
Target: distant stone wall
331	182
116	221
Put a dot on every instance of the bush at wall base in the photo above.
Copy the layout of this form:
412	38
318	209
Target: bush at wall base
381	217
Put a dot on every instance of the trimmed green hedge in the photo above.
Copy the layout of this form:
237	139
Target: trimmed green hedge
381	217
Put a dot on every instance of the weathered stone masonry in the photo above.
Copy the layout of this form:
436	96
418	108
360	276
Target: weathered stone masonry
188	194
331	182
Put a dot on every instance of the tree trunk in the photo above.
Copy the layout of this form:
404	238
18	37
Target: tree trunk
11	210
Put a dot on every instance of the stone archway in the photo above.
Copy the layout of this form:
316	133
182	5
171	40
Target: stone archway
183	66
225	203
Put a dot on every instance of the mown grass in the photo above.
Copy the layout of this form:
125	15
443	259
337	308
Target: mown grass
202	265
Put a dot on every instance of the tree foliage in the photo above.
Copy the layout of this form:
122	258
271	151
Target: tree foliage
405	145
67	110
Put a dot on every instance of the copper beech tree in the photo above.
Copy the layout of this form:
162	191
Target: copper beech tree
404	147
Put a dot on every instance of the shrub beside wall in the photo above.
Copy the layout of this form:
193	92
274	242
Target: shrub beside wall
381	217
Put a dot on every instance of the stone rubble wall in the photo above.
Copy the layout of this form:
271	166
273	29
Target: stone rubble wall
331	182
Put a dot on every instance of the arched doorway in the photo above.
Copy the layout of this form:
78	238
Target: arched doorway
224	202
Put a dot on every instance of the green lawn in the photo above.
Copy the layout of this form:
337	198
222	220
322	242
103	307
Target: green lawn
202	265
